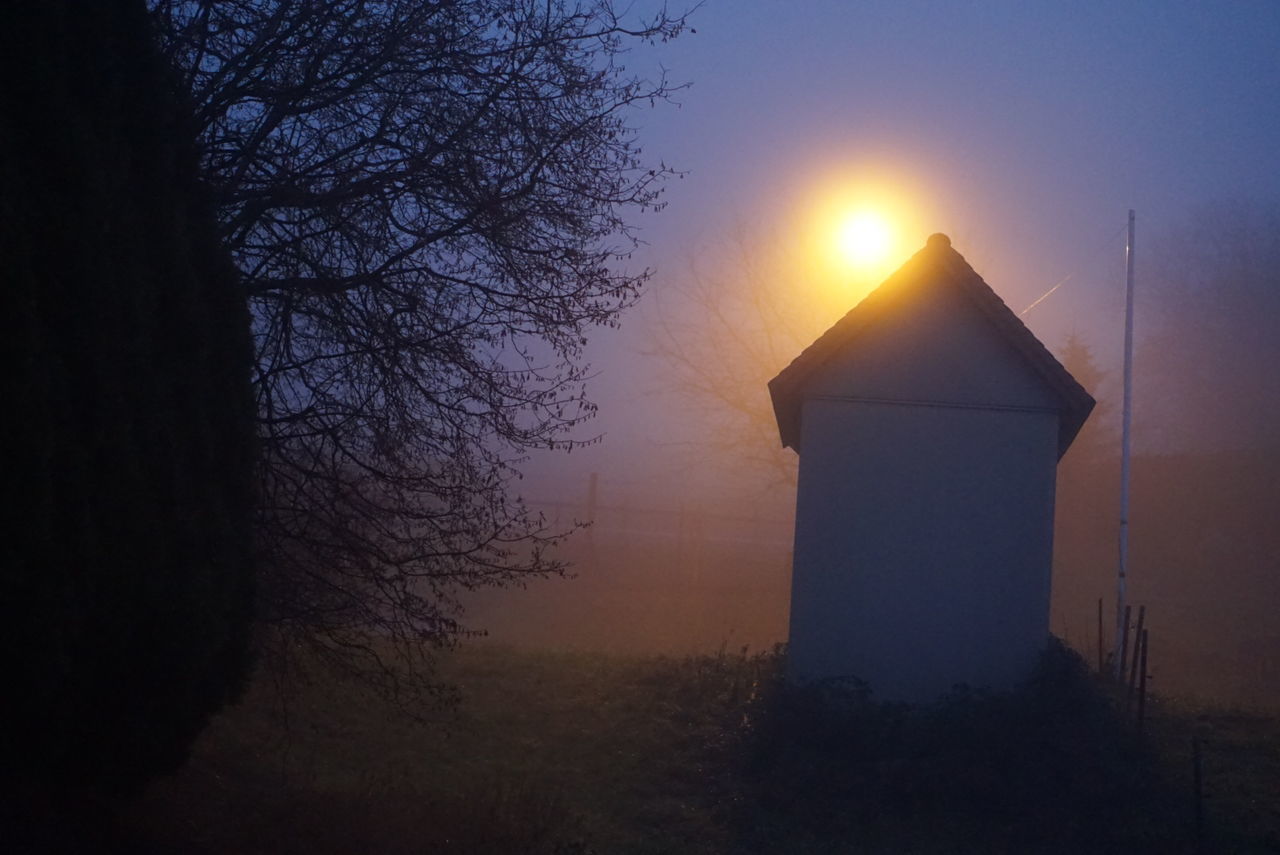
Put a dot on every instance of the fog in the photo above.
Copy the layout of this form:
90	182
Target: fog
319	544
1205	491
1024	134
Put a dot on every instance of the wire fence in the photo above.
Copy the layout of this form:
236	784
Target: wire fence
674	573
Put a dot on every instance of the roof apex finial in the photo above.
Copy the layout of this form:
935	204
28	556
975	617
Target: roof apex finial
938	240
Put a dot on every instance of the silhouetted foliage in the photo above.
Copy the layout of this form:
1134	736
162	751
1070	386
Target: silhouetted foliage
724	327
1086	511
1207	424
828	761
1096	438
128	434
1205	364
426	204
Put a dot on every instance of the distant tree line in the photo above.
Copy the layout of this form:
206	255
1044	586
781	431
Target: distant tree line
1206	471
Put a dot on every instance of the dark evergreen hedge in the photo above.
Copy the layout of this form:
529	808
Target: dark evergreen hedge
129	420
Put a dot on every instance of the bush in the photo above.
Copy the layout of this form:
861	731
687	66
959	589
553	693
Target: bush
128	437
999	768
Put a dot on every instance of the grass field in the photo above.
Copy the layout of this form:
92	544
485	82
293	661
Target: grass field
553	752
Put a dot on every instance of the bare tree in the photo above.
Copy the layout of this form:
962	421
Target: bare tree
741	311
426	202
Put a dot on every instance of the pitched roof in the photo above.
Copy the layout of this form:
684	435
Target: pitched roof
940	264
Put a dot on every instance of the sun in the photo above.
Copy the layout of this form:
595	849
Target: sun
864	239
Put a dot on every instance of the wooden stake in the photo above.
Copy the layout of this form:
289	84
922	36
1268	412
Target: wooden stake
1142	683
1100	660
1133	670
593	500
1123	641
1197	790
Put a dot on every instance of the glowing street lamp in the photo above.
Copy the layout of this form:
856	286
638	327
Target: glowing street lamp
857	225
864	240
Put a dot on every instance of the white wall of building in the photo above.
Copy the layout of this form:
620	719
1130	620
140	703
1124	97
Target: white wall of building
925	508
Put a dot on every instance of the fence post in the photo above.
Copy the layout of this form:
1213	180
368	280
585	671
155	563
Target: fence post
593	499
1124	643
1132	682
1197	790
1100	662
1142	683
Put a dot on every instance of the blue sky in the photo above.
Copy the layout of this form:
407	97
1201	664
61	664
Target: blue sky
1025	130
1033	125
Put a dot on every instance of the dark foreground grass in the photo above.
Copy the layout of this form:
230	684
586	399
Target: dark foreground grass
1048	768
1240	769
543	753
574	753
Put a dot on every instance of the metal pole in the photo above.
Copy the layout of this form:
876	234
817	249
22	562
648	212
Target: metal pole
1126	418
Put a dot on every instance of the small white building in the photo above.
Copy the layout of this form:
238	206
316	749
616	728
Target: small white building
929	423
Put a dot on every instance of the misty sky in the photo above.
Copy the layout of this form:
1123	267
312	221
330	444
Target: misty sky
1024	130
